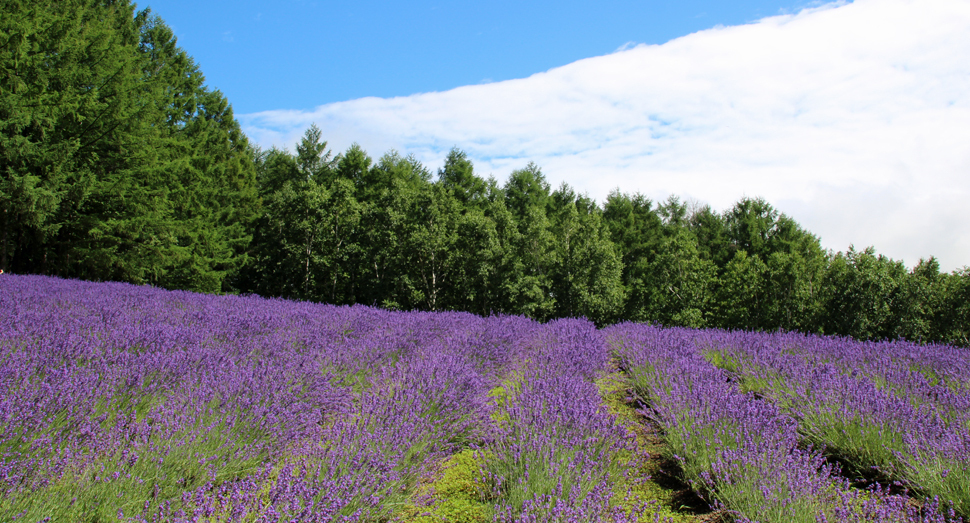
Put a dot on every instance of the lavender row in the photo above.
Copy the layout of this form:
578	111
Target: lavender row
555	457
871	403
128	402
137	404
934	374
742	451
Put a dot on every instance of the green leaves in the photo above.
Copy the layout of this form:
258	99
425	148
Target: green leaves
861	288
680	281
741	293
115	161
458	176
587	276
66	87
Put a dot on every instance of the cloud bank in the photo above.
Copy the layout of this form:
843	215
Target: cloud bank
854	119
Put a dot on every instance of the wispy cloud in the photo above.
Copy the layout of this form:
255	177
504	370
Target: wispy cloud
625	47
851	118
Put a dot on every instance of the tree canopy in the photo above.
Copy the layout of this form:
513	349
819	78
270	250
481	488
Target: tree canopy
118	162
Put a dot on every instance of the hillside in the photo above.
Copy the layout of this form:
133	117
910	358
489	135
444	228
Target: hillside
119	163
132	403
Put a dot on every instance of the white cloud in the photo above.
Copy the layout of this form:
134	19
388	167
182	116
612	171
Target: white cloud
854	119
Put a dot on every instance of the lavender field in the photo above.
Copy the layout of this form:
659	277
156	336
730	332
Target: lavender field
128	403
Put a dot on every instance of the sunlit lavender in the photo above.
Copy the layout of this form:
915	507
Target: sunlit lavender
127	403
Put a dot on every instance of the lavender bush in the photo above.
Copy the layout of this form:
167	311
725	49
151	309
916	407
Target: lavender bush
137	404
893	409
125	403
744	452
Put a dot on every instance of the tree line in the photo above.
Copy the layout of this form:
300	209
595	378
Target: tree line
118	163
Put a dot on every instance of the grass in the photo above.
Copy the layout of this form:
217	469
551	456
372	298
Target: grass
749	379
457	493
652	480
460	490
503	395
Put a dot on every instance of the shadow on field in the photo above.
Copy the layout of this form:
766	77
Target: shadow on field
683	499
666	475
865	478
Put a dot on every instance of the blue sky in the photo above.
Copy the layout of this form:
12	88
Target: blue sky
850	117
295	54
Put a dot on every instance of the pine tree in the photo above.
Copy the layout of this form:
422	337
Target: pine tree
116	162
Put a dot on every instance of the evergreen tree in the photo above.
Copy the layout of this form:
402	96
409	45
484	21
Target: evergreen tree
314	160
918	303
951	320
354	166
458	176
587	275
478	259
529	246
208	162
680	282
391	188
751	225
792	291
741	295
674	214
637	231
117	162
710	230
525	191
429	244
77	131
